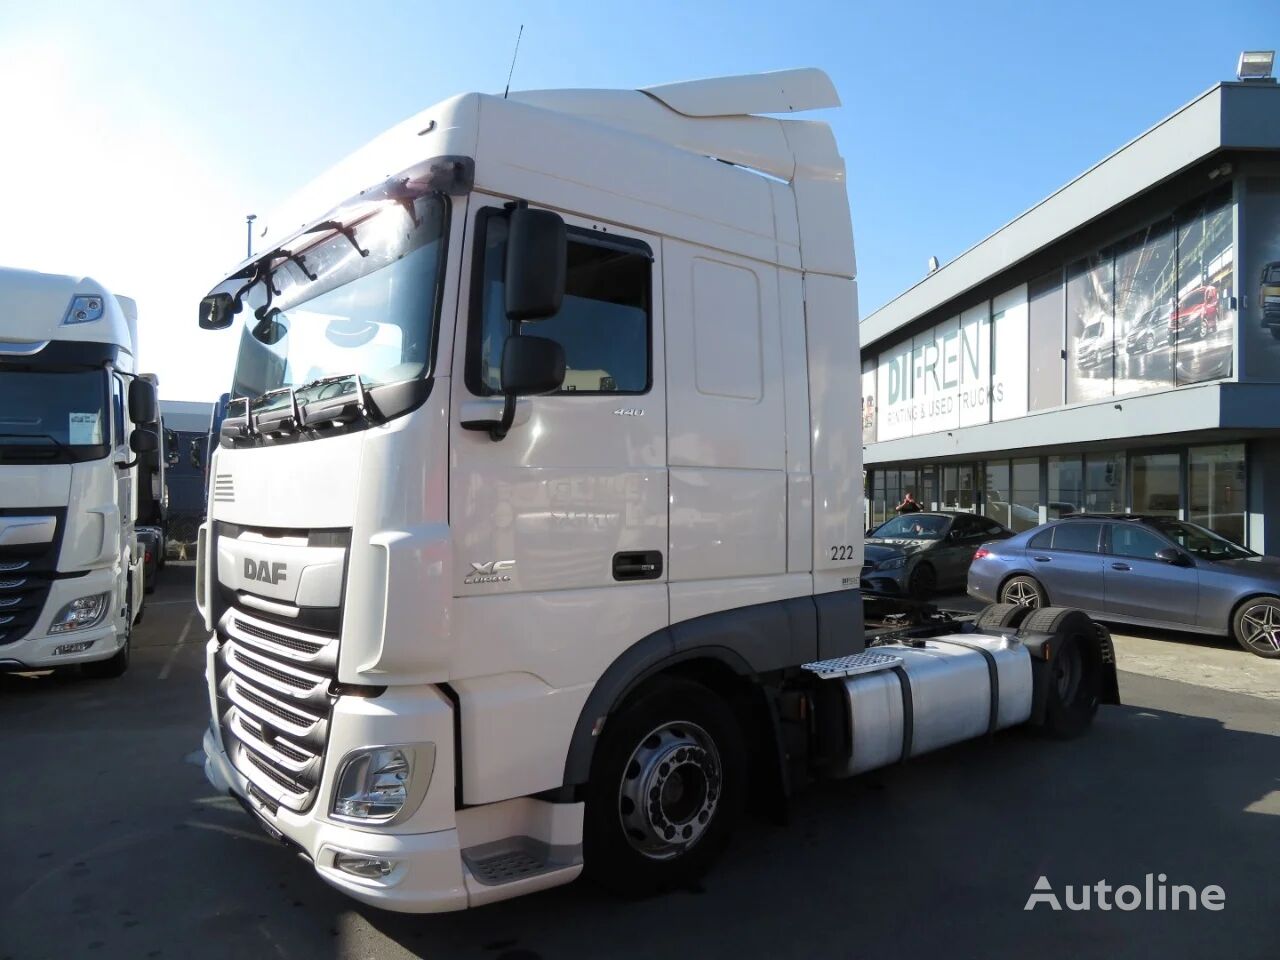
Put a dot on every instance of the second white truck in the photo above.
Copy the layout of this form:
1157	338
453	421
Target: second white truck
534	533
75	418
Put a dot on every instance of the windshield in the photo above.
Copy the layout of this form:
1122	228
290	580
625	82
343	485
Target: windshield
371	316
1196	540
913	527
1092	332
1272	273
49	412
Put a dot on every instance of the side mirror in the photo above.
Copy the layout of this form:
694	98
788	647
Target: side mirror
216	311
144	441
143	407
531	365
537	260
1174	556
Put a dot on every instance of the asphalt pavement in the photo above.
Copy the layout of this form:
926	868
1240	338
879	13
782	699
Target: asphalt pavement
114	845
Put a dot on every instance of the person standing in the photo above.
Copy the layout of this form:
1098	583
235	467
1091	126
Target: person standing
908	504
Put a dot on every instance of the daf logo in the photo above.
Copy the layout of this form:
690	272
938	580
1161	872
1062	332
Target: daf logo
264	572
494	571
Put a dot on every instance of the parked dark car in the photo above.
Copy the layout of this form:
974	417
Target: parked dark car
918	554
1145	570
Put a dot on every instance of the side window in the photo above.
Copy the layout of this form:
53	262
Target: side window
1042	540
1082	537
603	323
1131	540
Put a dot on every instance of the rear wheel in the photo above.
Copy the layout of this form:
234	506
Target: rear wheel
1075	670
923	581
667	788
1024	591
1256	626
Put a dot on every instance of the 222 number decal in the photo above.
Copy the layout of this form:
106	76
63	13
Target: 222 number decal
842	553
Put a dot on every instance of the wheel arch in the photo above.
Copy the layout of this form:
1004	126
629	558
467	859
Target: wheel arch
1239	602
1023	573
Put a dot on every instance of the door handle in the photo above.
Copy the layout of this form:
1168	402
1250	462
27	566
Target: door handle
1121	566
637	565
1041	559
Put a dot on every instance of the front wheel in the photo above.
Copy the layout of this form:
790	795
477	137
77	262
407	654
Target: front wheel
923	582
110	668
1024	591
667	788
1256	626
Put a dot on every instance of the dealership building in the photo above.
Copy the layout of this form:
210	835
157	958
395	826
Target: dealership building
1105	351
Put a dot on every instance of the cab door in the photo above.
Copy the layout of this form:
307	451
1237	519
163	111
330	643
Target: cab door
559	529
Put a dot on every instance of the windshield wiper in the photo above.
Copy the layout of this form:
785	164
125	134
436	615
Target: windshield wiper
58	444
361	407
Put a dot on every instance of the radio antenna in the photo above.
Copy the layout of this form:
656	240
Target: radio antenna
515	54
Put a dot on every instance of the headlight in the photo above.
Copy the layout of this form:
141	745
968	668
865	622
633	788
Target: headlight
893	563
78	614
383	784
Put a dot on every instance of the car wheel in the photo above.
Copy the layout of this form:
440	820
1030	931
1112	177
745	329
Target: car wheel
1256	626
1024	591
923	581
667	787
1150	344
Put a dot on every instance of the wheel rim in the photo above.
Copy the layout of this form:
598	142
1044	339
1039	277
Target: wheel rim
671	787
1023	593
1260	627
1067	669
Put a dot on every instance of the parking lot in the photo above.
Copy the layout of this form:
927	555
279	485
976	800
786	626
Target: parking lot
115	846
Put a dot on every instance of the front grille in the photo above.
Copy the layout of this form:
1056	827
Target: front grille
21	600
274	705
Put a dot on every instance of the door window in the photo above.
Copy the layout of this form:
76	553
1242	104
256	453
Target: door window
1131	540
603	323
1077	536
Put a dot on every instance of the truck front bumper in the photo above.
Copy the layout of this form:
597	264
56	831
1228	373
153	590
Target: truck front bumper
38	649
427	873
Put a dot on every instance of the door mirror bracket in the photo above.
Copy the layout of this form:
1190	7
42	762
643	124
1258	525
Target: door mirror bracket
530	366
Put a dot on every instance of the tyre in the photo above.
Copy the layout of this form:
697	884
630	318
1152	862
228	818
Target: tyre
1024	591
667	788
1075	670
110	668
1001	616
1256	626
1150	344
923	581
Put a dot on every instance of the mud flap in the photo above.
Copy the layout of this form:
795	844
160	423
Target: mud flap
1045	632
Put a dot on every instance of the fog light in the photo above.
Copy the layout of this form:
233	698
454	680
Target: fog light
66	648
369	868
81	613
382	784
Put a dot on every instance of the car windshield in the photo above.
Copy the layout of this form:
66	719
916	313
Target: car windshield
1272	274
1092	332
913	527
1196	540
369	312
54	409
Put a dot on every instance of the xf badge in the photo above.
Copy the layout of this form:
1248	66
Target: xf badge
494	571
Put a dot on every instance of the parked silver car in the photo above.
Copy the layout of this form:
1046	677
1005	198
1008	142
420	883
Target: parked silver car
1144	570
918	554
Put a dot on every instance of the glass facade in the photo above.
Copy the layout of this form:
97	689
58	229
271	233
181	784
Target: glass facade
1204	484
1153	310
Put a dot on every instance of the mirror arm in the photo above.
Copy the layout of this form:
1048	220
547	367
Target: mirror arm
499	430
128	464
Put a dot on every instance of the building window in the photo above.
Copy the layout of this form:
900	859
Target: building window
999	500
1046	309
1202	324
928	493
1104	483
1066	486
1091	345
1025	509
1217	489
1156	484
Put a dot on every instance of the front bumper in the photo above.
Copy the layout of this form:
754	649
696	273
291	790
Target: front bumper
36	650
427	877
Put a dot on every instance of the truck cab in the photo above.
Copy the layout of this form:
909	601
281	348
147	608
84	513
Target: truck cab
74	419
540	482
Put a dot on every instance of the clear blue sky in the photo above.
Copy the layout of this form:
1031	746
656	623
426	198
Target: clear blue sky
139	134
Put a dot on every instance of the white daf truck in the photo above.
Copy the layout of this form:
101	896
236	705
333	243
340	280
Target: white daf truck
534	536
75	417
